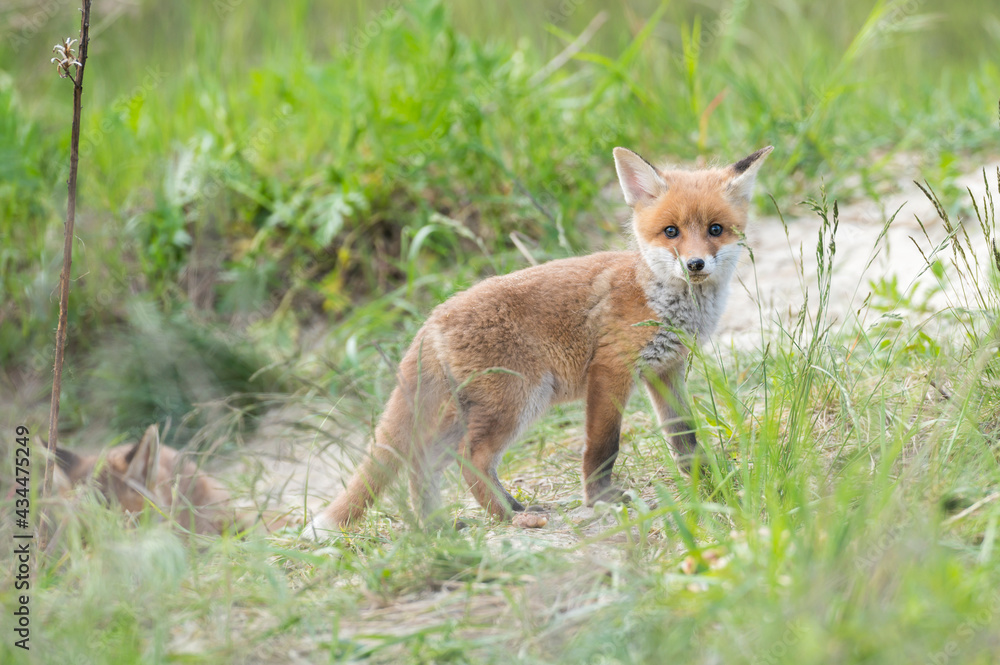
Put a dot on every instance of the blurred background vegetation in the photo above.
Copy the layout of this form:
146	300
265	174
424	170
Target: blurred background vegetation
274	194
257	177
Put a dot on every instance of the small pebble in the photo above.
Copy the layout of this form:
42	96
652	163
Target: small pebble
530	520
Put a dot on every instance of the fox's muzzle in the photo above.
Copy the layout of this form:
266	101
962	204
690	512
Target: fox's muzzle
696	265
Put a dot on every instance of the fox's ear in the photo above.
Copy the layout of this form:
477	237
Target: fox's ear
744	175
144	458
67	461
640	182
74	468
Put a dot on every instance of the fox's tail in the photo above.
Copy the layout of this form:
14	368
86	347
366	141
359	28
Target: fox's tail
420	407
389	451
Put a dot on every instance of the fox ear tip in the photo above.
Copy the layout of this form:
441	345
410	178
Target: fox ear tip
750	160
66	459
150	440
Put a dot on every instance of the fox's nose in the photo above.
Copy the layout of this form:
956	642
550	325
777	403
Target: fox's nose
695	265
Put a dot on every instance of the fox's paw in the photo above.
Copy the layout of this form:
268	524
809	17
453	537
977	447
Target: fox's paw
609	494
692	463
320	529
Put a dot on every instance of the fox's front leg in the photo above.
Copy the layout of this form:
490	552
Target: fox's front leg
669	397
607	393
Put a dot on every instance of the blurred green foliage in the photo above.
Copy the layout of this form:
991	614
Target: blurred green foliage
257	168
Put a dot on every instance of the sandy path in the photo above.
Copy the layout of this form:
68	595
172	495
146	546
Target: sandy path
780	274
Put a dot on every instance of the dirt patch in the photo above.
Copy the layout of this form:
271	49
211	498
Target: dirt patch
786	266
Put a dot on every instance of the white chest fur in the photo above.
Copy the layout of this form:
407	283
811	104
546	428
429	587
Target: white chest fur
688	313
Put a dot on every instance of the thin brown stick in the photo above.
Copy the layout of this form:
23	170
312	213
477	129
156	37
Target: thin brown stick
64	278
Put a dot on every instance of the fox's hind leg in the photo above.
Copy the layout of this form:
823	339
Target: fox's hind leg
496	409
487	436
428	469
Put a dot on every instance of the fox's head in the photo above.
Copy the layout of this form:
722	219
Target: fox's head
134	475
129	474
689	224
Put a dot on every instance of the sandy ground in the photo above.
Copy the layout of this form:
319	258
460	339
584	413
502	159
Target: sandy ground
296	469
784	272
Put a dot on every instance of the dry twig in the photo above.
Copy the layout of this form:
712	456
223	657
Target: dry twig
67	59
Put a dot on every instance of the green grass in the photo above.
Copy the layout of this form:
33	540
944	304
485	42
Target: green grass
248	177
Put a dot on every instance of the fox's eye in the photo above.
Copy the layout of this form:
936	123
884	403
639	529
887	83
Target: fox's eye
671	232
715	230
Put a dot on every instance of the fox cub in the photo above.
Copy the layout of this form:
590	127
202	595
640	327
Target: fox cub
492	359
133	475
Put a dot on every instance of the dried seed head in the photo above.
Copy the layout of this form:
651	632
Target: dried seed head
66	59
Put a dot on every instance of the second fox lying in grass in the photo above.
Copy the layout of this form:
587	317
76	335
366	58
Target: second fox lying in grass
492	359
147	473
